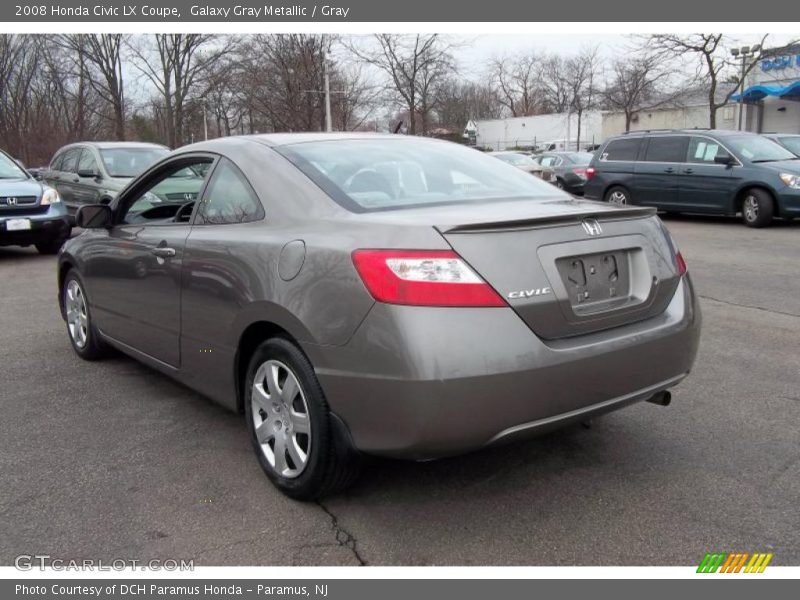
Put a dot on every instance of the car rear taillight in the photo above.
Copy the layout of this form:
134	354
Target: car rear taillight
681	263
589	172
580	172
423	278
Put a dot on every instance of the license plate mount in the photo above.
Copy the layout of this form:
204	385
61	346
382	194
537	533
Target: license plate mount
596	282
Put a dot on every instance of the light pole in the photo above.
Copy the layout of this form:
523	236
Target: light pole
327	80
744	52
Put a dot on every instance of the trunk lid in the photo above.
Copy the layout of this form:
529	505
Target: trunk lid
571	267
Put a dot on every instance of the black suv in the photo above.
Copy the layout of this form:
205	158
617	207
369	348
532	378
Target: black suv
698	171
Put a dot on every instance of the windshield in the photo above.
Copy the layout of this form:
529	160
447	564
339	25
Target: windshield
385	174
758	149
129	162
580	158
792	143
9	169
518	160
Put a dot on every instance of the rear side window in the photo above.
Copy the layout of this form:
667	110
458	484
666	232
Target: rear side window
621	149
667	149
229	198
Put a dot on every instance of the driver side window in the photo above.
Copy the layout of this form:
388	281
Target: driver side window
170	196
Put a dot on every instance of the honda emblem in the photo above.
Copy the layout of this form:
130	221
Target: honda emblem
592	227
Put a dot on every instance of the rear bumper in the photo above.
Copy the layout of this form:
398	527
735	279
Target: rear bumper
423	383
53	224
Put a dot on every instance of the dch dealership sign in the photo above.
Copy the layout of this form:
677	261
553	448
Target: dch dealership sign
778	63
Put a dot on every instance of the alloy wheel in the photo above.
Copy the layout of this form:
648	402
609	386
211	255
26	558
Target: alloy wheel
618	197
750	208
77	317
281	418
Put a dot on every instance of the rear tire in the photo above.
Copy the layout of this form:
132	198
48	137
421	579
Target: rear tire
618	195
294	435
757	208
80	327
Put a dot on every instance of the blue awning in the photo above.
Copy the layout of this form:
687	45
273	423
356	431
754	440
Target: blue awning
758	92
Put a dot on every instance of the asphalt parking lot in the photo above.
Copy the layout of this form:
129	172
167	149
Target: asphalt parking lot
111	460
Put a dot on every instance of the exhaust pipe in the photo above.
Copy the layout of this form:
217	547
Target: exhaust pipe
661	398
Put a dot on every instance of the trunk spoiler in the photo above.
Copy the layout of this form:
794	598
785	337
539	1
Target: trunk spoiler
606	215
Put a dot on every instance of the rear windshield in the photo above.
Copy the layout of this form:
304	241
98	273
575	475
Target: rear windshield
9	169
129	162
389	174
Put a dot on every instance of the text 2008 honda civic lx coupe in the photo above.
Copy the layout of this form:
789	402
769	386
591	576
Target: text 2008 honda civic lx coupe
383	295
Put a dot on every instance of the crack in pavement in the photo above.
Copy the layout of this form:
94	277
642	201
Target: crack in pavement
343	537
761	308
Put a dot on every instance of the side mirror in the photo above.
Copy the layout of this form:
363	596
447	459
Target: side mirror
94	216
88	173
724	159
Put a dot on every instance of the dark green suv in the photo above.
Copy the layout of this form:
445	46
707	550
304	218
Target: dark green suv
698	171
95	172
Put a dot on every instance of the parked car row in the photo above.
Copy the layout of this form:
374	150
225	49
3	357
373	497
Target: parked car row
700	171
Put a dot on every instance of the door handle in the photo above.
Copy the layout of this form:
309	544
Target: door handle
163	252
688	171
76	181
669	170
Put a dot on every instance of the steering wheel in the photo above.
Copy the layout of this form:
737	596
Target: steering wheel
184	213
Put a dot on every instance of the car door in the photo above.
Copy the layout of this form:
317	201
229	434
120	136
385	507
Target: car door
134	272
86	189
656	174
706	185
63	178
217	283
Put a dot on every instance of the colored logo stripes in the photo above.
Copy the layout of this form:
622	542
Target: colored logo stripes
735	562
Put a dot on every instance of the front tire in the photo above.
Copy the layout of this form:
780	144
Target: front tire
757	208
82	334
618	195
291	427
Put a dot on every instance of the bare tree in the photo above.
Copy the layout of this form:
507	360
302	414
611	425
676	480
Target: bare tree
712	60
414	66
100	55
459	101
179	65
583	74
518	81
637	83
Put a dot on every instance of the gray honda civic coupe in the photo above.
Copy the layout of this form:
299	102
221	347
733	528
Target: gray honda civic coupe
367	294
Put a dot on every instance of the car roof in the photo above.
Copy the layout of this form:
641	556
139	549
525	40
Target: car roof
111	145
288	139
722	133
